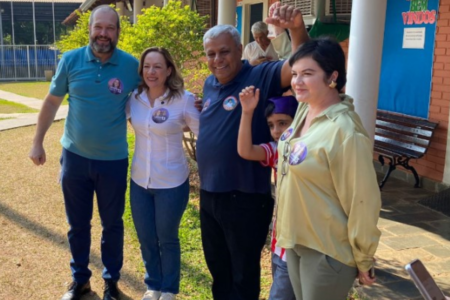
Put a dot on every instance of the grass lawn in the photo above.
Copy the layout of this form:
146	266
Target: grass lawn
34	89
195	278
8	107
1	119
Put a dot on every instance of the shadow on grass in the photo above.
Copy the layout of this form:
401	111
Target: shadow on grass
195	278
60	241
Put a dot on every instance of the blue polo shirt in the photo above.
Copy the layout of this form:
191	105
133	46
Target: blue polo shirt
96	124
221	169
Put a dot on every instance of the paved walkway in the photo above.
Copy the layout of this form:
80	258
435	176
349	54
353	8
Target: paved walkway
409	230
19	120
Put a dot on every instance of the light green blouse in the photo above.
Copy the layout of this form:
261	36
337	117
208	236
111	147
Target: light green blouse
329	199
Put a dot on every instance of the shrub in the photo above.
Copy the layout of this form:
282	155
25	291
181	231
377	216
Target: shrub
174	27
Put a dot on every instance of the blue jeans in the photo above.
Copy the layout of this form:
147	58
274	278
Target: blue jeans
156	215
80	179
281	287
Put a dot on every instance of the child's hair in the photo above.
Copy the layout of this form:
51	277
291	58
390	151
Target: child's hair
281	105
269	109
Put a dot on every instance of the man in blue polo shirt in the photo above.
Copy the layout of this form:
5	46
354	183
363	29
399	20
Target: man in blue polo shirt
98	79
235	200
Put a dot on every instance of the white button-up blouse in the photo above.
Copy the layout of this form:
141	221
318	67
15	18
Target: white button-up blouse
159	160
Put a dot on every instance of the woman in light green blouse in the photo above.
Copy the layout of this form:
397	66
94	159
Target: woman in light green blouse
329	200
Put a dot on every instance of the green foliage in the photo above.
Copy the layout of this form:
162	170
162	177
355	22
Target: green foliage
174	27
78	37
195	77
7	39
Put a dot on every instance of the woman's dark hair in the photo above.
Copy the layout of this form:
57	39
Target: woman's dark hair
328	54
174	82
269	109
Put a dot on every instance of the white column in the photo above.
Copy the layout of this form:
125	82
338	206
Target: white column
364	58
227	12
138	5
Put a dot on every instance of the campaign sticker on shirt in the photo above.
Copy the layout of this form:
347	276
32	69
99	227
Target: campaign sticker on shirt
160	115
286	134
298	153
206	105
230	103
115	86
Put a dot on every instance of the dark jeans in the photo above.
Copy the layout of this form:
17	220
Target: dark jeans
234	229
80	178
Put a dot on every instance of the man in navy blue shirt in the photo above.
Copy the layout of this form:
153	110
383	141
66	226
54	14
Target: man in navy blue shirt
235	197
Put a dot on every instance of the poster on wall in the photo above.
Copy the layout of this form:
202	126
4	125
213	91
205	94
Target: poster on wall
239	19
408	50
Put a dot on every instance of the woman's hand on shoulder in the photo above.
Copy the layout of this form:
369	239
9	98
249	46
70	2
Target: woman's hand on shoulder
198	102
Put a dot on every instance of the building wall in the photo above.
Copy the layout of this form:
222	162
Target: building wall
433	163
204	9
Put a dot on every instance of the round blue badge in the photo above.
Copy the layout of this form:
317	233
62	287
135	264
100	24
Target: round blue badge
160	115
205	106
298	153
286	134
115	86
230	103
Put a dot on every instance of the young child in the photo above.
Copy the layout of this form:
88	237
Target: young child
280	112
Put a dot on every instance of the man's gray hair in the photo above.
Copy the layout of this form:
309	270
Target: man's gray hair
217	30
104	7
259	27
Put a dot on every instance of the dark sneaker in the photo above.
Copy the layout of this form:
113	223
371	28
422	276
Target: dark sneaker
111	291
76	291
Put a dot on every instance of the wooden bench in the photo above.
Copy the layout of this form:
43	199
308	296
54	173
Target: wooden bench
400	138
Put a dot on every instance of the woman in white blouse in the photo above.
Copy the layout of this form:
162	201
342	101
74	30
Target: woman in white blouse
159	110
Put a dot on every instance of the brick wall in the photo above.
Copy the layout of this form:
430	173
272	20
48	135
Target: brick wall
433	163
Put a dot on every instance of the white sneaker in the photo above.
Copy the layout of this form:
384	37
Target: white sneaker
168	296
151	295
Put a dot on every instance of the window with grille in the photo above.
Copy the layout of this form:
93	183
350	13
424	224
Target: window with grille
306	6
343	7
